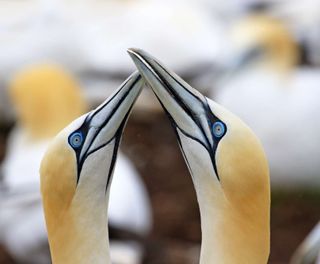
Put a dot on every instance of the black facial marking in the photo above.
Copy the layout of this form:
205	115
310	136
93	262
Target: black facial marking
115	149
211	118
85	127
211	149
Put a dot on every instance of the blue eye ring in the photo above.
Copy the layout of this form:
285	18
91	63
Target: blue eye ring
76	140
218	129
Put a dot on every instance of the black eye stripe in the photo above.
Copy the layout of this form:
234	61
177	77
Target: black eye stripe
213	119
83	131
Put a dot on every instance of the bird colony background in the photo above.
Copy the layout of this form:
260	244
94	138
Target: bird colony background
260	59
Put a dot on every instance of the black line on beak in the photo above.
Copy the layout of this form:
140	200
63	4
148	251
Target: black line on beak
147	61
117	138
173	93
85	127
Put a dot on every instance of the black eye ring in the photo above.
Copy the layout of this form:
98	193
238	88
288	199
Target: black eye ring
218	129
76	139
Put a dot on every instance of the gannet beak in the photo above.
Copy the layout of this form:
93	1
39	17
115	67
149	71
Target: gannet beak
105	124
185	105
187	108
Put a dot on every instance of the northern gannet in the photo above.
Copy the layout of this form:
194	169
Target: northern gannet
275	87
227	164
76	174
46	99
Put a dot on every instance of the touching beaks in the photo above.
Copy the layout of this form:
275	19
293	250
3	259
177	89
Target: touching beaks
187	108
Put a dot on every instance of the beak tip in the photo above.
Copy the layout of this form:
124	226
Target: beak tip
137	57
133	51
140	54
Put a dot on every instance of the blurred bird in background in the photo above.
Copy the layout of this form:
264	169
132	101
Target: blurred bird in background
46	98
303	19
266	79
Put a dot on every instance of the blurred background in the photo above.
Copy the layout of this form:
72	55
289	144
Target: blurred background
260	59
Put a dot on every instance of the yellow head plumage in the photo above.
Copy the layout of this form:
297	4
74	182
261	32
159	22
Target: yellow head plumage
46	99
272	36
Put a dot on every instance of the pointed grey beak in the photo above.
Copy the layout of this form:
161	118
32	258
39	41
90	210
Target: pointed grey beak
186	107
106	123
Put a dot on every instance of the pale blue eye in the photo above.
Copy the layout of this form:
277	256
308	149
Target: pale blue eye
218	129
76	140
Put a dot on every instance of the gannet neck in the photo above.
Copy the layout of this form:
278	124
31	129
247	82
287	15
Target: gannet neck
82	236
235	211
76	216
230	236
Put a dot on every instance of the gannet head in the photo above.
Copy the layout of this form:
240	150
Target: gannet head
46	99
76	173
226	161
265	40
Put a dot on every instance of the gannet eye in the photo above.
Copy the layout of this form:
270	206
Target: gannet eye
218	129
76	139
